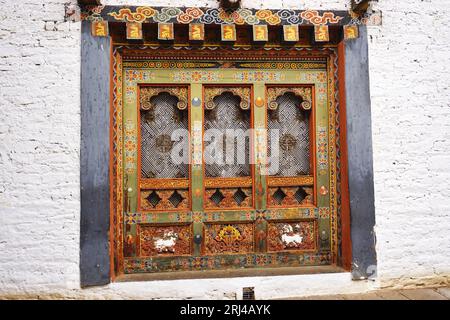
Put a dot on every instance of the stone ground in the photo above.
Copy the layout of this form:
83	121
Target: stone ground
442	293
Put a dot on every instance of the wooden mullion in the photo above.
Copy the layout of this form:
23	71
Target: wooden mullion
260	156
197	189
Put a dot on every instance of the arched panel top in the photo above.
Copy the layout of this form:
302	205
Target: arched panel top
147	93
304	93
242	92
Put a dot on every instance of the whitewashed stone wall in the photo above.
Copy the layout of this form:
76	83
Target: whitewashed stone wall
39	155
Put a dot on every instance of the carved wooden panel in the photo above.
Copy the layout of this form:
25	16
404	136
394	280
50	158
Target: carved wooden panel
165	240
212	93
228	182
303	93
220	198
164	184
299	235
165	199
147	93
290	196
229	238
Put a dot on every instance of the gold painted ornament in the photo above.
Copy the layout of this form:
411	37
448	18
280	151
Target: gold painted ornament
259	102
228	32
290	33
99	29
134	31
351	32
260	33
321	33
165	31
196	32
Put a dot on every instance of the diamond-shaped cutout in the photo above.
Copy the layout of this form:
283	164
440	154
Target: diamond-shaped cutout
300	195
217	197
153	198
176	198
279	196
239	196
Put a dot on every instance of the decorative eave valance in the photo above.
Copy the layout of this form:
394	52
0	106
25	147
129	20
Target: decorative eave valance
187	15
198	18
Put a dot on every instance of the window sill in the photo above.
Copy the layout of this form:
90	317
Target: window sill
253	272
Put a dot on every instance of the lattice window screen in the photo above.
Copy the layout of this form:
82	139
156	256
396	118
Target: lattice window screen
294	144
157	125
228	115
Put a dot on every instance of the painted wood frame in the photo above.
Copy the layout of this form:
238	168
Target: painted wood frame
140	71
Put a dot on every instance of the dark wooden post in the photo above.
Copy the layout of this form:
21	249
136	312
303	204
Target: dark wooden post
360	162
95	145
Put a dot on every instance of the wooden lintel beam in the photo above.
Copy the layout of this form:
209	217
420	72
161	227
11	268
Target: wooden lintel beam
89	2
360	6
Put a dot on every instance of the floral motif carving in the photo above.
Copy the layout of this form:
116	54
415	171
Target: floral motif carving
241	92
231	238
146	93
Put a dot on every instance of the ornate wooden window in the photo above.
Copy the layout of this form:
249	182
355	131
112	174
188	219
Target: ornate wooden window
163	181
196	68
290	116
234	211
228	177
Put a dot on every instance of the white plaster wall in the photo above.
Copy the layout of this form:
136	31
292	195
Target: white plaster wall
39	155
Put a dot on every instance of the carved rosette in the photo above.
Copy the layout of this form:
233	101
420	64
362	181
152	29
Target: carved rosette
147	93
241	92
304	93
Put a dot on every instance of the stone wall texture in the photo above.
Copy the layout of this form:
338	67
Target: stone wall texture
40	150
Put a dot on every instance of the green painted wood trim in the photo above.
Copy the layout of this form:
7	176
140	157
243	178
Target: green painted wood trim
197	191
259	143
